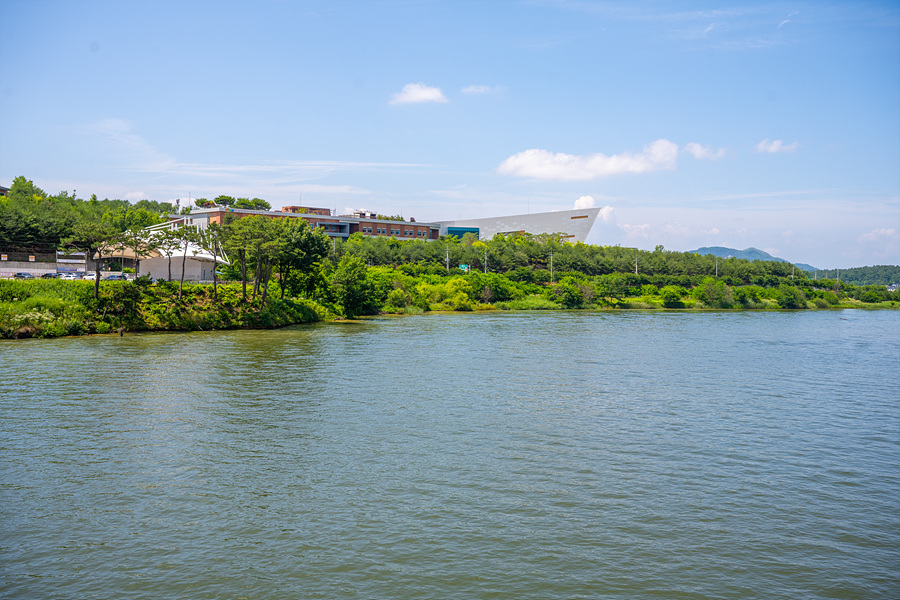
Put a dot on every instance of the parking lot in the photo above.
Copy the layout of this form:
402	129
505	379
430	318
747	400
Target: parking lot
35	274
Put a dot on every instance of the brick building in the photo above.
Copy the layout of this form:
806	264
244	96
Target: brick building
336	226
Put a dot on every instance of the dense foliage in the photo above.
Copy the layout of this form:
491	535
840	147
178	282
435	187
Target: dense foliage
33	221
877	275
283	271
55	308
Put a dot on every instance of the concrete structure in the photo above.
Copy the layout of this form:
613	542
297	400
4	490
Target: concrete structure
336	226
573	225
195	268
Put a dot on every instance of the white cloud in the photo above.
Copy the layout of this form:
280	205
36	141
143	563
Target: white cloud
675	230
877	234
542	164
418	93
637	231
703	152
479	89
776	146
585	202
788	19
135	196
607	214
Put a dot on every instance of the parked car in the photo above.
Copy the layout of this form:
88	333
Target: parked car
90	276
70	276
23	276
115	277
49	275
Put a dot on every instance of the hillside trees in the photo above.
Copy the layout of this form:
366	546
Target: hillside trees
97	240
185	235
262	246
300	248
349	285
210	239
254	204
237	237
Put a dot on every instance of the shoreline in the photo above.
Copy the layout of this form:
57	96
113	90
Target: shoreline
25	335
54	308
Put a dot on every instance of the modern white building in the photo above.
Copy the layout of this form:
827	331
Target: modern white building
199	264
574	225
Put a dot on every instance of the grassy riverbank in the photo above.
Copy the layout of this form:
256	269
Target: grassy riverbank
57	308
54	308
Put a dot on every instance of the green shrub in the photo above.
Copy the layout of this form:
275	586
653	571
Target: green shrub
714	293
74	327
871	297
398	298
460	302
671	295
649	290
790	297
541	276
568	292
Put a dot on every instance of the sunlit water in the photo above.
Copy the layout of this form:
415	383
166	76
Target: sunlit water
503	456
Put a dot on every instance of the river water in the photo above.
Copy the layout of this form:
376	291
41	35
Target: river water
499	455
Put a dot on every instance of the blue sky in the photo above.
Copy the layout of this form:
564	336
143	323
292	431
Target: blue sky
773	125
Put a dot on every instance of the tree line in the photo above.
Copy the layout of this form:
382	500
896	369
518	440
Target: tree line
33	221
368	274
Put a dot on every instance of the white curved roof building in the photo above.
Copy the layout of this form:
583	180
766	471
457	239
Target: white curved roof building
574	225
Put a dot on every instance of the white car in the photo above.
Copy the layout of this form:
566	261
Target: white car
70	276
90	276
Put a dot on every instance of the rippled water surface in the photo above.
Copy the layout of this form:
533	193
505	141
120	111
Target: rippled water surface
503	456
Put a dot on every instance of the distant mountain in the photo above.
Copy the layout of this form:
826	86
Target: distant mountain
748	254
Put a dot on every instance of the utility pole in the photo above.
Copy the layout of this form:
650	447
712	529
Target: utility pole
448	258
717	267
635	264
551	266
792	272
485	261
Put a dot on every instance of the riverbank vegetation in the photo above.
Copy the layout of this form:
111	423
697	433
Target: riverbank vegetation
281	271
53	308
344	285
